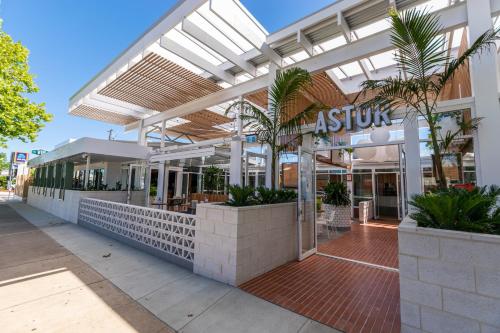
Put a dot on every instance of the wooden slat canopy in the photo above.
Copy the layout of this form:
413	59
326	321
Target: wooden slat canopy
86	111
158	84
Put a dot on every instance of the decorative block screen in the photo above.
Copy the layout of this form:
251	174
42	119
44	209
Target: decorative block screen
168	232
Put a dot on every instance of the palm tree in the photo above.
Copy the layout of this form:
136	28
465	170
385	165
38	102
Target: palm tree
278	123
422	55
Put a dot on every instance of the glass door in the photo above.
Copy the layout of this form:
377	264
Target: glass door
306	208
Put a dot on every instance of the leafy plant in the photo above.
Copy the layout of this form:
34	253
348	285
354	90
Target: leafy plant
285	195
423	57
241	196
278	122
267	196
20	118
336	194
459	209
213	179
153	190
248	196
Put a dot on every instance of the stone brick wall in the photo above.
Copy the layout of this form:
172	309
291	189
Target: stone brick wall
450	281
236	244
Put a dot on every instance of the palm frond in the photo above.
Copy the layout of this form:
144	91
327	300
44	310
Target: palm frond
417	36
481	44
286	88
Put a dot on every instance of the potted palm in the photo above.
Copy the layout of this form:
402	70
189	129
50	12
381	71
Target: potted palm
278	127
337	204
421	54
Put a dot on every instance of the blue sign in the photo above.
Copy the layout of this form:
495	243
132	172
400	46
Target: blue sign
21	157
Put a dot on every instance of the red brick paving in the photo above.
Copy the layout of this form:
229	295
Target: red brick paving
347	296
374	242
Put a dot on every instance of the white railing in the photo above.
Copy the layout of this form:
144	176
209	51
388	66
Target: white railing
168	232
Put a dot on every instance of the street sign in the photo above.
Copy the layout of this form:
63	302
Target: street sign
38	151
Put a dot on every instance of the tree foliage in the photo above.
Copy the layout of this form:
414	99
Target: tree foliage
422	55
4	163
20	118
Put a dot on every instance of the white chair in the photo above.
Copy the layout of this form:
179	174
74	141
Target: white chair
330	221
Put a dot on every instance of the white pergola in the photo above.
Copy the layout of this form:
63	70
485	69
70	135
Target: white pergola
203	54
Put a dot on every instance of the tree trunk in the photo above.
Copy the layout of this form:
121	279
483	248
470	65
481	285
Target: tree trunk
437	157
273	169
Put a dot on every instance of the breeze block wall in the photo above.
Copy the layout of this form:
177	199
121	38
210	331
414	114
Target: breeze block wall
236	244
449	280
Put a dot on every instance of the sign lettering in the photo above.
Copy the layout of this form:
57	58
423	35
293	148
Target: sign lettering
361	119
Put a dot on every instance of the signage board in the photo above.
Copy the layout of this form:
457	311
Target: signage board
335	119
20	157
38	151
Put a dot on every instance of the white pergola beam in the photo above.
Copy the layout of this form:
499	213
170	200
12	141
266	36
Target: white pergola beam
450	18
111	108
365	69
197	33
305	43
344	27
249	35
195	59
168	21
337	81
122	104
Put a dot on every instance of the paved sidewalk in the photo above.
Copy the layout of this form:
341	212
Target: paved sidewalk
184	301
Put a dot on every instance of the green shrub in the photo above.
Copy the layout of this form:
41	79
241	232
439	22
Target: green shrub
241	196
459	209
247	196
153	191
336	194
286	195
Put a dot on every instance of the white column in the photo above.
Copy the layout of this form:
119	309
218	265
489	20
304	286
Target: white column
412	155
141	134
178	184
163	125
87	173
485	91
257	179
160	183
235	169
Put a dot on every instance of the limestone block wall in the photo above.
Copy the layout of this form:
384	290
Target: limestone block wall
450	281
67	209
236	244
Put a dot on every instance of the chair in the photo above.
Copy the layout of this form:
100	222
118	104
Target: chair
330	219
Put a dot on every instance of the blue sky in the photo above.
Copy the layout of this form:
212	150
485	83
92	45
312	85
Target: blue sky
70	41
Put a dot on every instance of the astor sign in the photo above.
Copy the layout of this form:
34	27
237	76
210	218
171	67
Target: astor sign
361	119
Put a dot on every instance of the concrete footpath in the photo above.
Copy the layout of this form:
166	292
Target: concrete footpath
57	276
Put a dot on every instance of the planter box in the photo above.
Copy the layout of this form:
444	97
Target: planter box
342	215
449	280
236	244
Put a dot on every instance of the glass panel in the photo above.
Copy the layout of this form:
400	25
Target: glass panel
387	195
306	204
362	188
